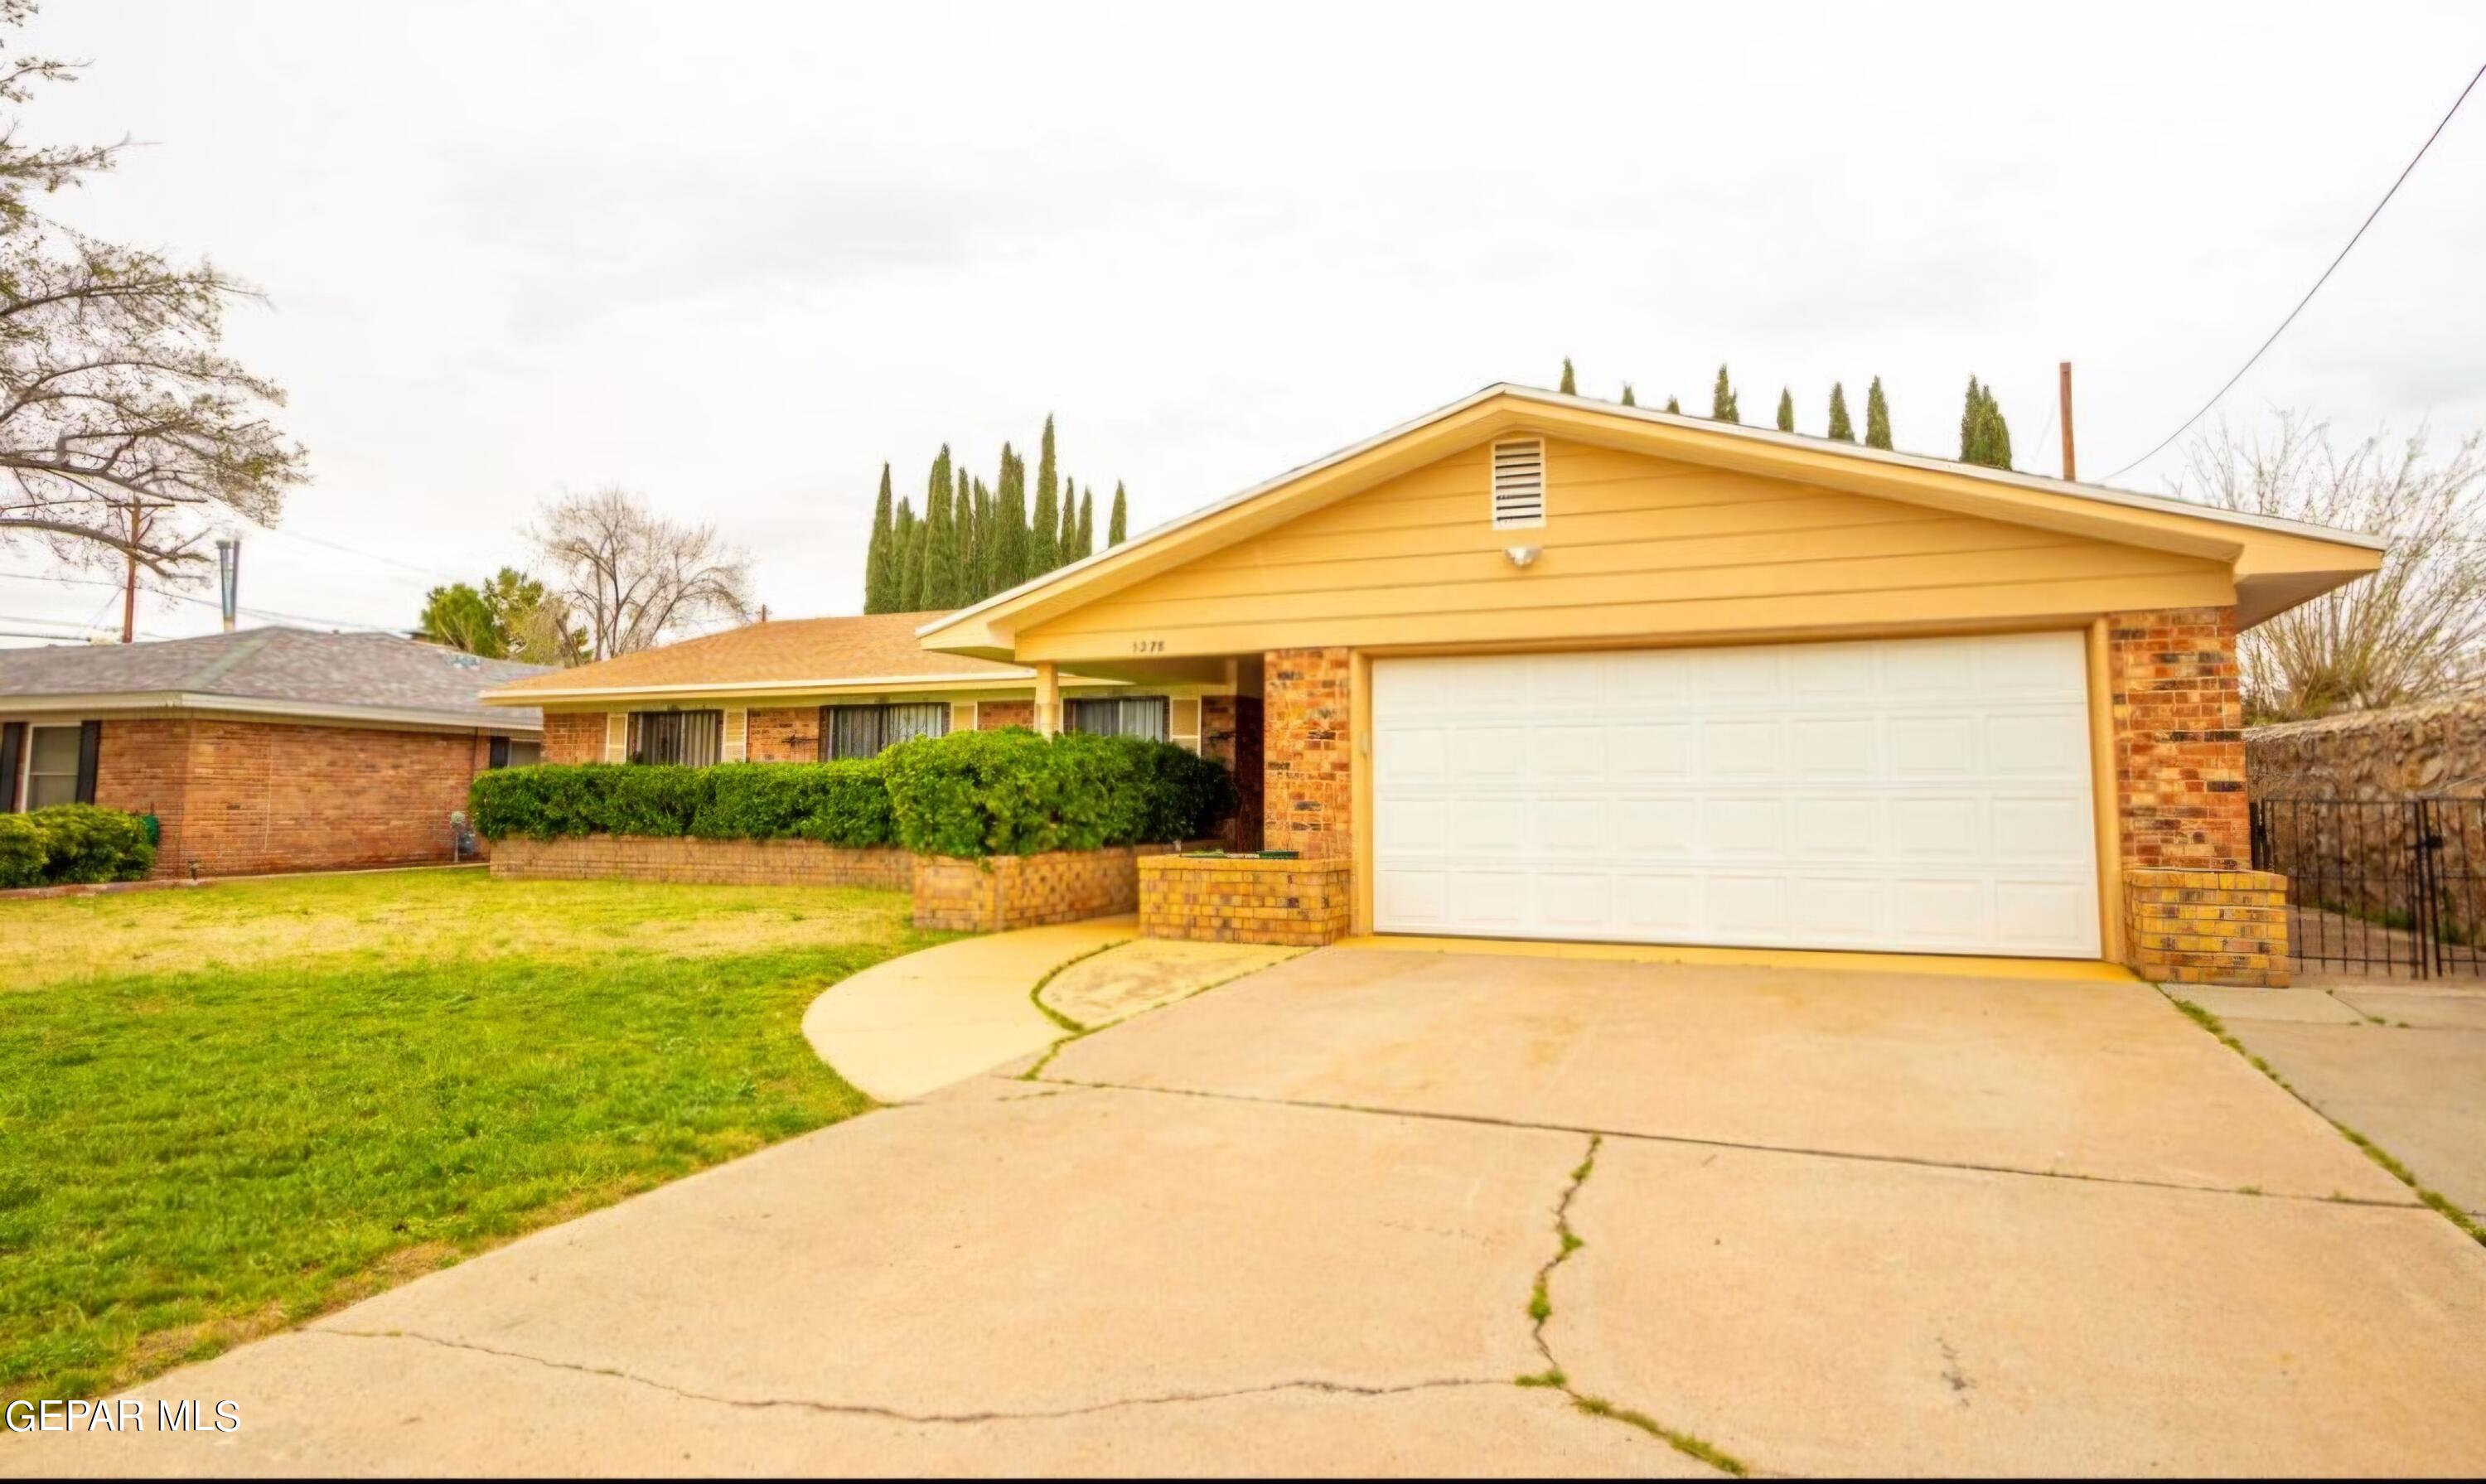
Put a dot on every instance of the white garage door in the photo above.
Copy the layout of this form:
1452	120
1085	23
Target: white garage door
1922	795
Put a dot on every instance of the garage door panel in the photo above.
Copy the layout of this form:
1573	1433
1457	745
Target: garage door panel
1928	795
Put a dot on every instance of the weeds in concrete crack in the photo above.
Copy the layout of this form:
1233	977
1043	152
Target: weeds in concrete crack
1540	1310
2433	1199
1035	996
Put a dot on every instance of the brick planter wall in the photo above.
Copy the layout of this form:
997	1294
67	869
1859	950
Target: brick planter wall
683	860
1229	900
2207	927
956	895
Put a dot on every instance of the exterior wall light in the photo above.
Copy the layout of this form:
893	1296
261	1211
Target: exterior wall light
1520	556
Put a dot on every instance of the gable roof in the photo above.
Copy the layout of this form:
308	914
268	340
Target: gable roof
785	655
2278	563
368	677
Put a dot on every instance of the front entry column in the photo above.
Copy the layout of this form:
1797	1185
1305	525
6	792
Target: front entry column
1048	699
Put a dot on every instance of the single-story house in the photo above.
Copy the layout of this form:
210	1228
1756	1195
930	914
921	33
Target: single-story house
262	750
1541	667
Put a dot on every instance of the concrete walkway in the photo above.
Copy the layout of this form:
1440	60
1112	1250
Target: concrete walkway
2401	1062
901	1029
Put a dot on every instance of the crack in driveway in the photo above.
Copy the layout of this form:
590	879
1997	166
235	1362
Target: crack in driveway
901	1414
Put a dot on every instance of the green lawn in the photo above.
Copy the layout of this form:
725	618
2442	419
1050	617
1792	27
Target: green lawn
226	1109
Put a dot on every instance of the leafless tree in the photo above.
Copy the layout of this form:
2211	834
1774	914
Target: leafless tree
633	577
2412	631
114	396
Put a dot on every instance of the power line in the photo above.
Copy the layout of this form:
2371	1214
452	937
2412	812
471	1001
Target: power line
207	602
2317	282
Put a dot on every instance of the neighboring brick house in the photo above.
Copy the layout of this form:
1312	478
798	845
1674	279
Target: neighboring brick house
265	750
805	690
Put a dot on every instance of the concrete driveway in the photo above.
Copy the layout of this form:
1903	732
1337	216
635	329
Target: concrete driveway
1323	1219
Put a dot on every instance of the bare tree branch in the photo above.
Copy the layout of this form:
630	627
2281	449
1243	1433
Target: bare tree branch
2413	630
633	577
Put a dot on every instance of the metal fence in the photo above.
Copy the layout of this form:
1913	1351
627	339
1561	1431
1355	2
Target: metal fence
2391	886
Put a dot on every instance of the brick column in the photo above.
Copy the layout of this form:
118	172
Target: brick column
1309	754
2179	741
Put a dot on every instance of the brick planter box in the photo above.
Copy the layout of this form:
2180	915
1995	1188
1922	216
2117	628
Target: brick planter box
1238	899
2207	927
956	895
686	860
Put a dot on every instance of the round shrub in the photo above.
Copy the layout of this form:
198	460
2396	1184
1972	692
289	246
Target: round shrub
74	845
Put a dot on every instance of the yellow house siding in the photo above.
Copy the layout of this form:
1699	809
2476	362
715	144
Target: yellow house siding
1633	545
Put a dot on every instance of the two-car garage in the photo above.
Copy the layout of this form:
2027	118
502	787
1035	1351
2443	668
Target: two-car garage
1912	795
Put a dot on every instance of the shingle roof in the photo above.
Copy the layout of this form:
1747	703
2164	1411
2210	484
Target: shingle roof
833	651
379	672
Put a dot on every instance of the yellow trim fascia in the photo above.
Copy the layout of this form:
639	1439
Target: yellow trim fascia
2253	545
2105	796
1962	966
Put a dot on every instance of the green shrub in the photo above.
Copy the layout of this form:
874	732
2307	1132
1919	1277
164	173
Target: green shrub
835	803
971	793
1013	792
74	845
21	851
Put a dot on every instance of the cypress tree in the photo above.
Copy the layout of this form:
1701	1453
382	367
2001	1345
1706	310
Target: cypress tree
1087	523
943	583
1044	532
1067	546
1673	406
1627	396
962	510
1571	383
908	551
877	570
1722	398
1969	414
1984	437
980	577
1010	521
1877	416
1786	410
1839	427
1120	529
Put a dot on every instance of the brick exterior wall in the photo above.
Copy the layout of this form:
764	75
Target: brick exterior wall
680	859
785	734
1307	753
994	715
1230	899
2179	749
1026	891
573	736
1229	731
2207	927
249	797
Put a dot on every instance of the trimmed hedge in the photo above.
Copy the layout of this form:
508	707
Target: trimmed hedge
74	845
971	793
834	803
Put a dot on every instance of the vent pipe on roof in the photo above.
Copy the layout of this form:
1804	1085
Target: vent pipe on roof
229	575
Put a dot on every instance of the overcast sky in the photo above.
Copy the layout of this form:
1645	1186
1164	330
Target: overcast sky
732	257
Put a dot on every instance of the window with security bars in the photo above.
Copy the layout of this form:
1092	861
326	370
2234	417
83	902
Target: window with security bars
865	731
1119	716
693	740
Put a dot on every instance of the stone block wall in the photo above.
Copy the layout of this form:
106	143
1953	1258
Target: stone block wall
681	859
1308	753
2179	752
2207	926
1234	899
998	892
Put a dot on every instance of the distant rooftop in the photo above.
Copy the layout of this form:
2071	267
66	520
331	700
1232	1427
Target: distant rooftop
319	671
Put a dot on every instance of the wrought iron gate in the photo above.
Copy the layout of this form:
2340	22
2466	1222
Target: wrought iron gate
2390	886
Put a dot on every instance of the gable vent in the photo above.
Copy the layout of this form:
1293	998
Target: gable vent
1519	484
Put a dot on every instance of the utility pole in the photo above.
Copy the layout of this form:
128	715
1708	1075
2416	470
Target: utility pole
2071	470
129	583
